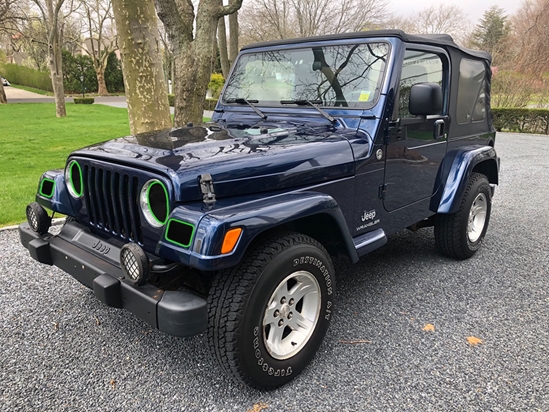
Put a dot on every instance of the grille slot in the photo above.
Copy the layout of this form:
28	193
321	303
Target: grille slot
113	204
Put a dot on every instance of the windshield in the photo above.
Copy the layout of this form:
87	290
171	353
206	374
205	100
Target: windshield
335	76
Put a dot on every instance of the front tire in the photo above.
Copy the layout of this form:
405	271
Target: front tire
460	234
268	315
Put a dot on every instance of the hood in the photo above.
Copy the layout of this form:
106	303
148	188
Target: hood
240	159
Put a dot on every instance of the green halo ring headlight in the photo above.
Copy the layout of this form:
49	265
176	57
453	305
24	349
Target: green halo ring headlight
74	179
154	202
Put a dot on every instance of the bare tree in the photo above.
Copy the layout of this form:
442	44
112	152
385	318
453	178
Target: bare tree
101	37
194	53
529	39
146	93
53	14
442	19
9	17
223	46
233	37
280	19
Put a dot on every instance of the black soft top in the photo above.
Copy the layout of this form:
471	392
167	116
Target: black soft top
444	40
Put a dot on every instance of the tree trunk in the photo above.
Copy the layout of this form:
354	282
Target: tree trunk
193	57
222	44
146	94
3	99
233	37
55	60
101	85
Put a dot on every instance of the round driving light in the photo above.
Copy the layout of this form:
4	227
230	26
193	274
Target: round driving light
154	203
74	180
134	263
38	218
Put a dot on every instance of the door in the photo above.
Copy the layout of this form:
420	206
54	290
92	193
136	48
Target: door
413	155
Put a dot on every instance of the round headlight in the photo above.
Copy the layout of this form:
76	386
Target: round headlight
74	180
154	202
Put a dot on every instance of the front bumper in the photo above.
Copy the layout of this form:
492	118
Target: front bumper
75	250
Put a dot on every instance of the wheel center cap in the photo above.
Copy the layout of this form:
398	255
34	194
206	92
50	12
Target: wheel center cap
284	310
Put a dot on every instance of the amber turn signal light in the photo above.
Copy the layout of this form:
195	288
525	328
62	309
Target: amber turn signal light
231	238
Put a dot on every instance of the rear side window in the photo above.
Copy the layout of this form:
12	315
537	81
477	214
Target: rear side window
471	99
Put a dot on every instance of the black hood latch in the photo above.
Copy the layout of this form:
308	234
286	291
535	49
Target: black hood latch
207	189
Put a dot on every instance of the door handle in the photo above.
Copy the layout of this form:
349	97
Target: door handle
439	129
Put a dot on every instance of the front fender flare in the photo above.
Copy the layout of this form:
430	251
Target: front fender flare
254	217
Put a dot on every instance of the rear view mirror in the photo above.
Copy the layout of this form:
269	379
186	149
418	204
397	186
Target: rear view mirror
425	99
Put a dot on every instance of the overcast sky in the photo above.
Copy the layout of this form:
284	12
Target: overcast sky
473	8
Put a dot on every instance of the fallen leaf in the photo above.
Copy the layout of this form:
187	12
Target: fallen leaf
354	342
429	327
474	341
55	325
113	383
97	321
258	407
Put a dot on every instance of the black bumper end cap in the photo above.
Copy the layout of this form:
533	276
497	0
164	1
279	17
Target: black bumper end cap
39	249
107	290
182	314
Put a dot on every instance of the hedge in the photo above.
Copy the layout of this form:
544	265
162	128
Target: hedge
208	105
84	100
25	76
521	120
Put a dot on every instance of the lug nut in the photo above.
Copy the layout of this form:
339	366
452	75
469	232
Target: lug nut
290	315
276	313
291	301
280	322
283	301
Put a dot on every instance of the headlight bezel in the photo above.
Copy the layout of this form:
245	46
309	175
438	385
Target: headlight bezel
69	179
147	206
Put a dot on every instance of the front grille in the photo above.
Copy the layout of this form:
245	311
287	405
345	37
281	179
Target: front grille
113	202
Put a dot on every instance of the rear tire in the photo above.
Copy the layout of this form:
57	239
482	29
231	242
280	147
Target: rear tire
268	315
460	235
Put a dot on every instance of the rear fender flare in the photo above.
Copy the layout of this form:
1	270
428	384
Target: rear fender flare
455	171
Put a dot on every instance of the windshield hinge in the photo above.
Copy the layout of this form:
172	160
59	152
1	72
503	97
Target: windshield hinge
207	189
393	133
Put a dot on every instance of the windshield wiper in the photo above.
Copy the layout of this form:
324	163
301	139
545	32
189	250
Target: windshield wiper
241	100
312	103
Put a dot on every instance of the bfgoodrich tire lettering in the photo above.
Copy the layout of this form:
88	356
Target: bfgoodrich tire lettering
244	300
460	235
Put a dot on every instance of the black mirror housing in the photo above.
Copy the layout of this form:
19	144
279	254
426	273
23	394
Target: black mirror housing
425	99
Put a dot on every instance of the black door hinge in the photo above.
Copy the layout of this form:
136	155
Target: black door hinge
382	191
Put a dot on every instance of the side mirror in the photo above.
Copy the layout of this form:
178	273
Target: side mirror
425	99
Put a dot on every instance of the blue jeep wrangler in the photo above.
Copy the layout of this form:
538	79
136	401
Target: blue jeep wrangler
318	147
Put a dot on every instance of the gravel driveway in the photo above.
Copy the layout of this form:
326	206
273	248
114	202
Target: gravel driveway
64	350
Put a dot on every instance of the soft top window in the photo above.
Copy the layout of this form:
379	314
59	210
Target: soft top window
471	98
348	75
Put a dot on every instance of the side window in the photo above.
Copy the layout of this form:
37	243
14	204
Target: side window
471	97
418	67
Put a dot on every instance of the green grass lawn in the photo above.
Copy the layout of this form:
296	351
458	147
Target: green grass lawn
33	140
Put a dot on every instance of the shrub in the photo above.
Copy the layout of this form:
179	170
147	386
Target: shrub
84	100
26	76
521	120
216	84
113	74
73	68
511	89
